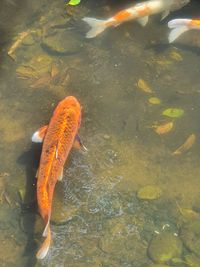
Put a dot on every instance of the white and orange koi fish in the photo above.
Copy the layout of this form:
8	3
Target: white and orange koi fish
140	12
180	26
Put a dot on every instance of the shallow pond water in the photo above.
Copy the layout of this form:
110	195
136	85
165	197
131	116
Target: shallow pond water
128	201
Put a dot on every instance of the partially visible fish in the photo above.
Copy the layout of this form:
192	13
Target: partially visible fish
179	26
140	12
59	137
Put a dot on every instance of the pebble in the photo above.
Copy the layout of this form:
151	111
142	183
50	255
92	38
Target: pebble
61	43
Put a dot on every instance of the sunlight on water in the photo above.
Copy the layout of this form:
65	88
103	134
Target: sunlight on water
132	199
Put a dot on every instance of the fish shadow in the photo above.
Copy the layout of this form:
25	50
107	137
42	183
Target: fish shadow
162	47
189	48
158	47
30	159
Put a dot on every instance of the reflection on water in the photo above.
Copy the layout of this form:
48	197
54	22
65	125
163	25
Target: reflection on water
104	214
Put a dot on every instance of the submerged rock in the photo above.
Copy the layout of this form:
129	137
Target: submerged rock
122	247
61	211
10	250
192	260
149	192
26	72
190	233
164	247
122	238
158	265
61	43
35	68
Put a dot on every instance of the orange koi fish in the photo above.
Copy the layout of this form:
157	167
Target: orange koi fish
140	12
180	26
58	138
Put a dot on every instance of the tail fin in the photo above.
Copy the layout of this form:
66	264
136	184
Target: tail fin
178	27
97	26
176	32
41	254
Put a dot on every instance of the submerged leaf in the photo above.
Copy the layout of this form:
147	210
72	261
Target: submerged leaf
188	214
173	112
177	260
163	128
176	56
54	70
186	146
74	2
21	194
154	100
144	86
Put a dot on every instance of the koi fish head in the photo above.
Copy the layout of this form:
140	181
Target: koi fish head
71	103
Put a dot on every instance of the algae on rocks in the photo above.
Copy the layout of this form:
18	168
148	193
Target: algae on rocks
164	247
149	192
190	233
192	260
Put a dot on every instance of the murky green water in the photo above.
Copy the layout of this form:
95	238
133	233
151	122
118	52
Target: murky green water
98	219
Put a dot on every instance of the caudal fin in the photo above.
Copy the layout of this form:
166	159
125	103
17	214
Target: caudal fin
41	254
97	26
176	32
178	26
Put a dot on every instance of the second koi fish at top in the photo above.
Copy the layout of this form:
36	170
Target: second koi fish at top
139	12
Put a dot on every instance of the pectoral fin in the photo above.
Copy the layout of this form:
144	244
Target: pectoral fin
39	135
78	143
143	21
36	175
165	14
60	177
